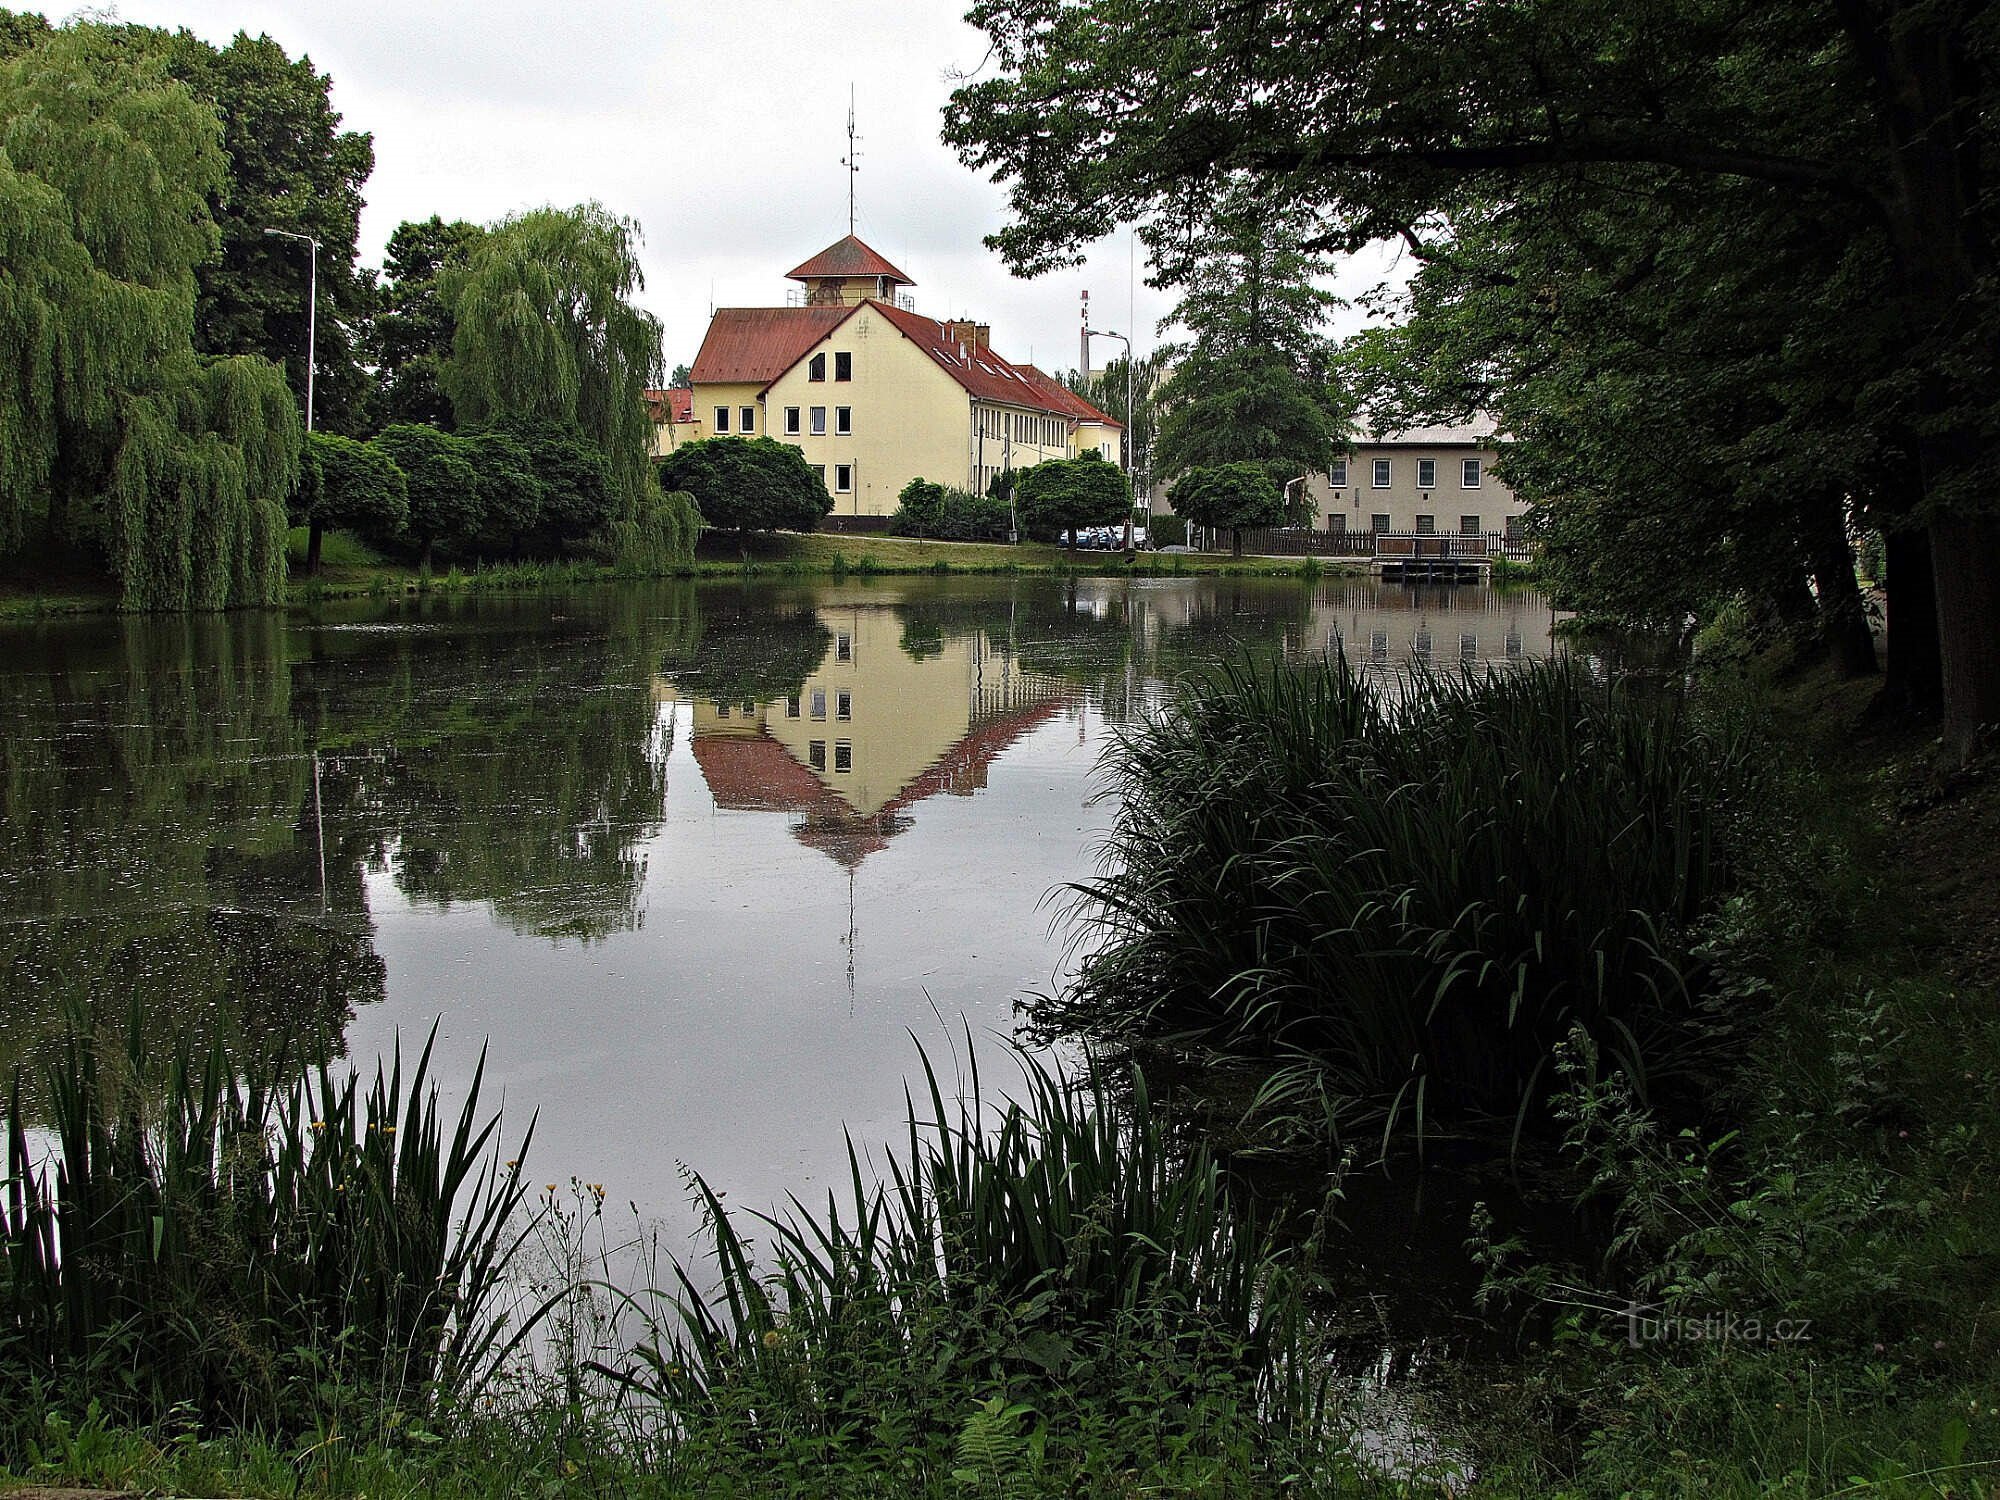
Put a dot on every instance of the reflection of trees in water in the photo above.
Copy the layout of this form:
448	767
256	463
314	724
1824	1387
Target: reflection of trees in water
509	756
155	840
745	646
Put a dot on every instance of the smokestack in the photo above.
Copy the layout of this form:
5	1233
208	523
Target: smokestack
1083	351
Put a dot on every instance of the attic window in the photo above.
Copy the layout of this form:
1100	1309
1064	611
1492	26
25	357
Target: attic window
817	369
843	367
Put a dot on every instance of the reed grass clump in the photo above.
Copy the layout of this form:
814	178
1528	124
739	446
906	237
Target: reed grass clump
1418	893
1059	1261
258	1249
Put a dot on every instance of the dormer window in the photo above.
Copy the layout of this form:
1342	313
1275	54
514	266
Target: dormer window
817	369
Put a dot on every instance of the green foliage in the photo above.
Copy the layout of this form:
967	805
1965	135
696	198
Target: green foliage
1419	898
1060	1251
546	334
443	487
289	165
353	485
928	509
1230	497
240	1248
112	430
1065	493
1167	531
409	338
748	484
511	494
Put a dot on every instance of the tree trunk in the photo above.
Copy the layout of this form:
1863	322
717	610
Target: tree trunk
1843	618
1912	680
1965	566
313	530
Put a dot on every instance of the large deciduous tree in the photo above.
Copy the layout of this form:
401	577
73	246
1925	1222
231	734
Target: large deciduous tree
349	484
1847	117
409	338
747	484
443	487
1064	493
1230	497
113	431
289	166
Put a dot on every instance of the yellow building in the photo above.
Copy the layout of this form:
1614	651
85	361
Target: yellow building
1421	480
874	393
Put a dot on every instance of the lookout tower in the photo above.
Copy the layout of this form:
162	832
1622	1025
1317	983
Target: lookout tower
847	273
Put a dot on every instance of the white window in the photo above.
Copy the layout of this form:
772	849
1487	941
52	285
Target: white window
819	421
1427	473
1427	525
1469	526
1336	473
843	647
722	419
746	419
843	367
816	755
843	478
819	703
1470	474
843	420
1381	473
791	421
817	369
1378	523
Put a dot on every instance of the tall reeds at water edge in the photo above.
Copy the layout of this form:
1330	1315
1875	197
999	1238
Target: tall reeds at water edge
250	1248
1415	895
1061	1250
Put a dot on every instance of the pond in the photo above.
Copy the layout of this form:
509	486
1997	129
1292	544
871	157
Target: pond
695	863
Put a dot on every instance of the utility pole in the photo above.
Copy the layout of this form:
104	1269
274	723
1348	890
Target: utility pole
312	312
1125	443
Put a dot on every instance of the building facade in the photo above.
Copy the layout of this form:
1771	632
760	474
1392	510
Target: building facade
1423	480
874	393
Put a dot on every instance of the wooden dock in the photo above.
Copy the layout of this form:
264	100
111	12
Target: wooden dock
1431	557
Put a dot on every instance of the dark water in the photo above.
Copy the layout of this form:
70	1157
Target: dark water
692	861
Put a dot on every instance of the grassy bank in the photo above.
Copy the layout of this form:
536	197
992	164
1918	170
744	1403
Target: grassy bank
350	570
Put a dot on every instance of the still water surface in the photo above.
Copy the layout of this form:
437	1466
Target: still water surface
693	861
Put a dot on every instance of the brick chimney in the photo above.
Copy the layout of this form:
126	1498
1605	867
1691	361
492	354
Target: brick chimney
975	336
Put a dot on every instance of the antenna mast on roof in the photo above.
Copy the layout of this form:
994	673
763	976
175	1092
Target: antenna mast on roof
851	161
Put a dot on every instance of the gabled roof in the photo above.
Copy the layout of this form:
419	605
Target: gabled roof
846	257
755	345
1067	400
1479	430
675	404
983	373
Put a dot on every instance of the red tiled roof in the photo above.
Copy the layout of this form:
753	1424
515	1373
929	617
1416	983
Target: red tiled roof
1068	400
675	404
983	373
755	345
754	773
847	257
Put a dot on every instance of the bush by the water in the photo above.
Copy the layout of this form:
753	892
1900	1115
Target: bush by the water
932	510
1417	892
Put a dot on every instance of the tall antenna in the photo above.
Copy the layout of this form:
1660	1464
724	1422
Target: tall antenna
851	161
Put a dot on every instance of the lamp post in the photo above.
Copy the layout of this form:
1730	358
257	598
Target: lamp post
312	311
1125	446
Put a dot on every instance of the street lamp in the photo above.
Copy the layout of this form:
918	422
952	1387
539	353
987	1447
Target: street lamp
1131	420
312	311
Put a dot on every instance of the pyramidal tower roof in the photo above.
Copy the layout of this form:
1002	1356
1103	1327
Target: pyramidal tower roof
846	257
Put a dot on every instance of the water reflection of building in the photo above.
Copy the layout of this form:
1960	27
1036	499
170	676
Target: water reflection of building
1390	626
883	722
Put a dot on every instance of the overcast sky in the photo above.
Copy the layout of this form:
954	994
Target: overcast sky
720	127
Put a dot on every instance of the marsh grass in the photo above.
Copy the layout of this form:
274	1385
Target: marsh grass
1048	1283
253	1247
1413	897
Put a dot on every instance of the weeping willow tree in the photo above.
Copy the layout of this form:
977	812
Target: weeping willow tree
546	334
113	432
